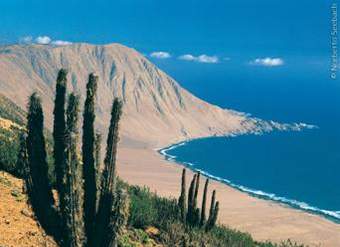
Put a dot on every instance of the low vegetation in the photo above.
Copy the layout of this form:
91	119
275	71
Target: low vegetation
83	204
11	120
147	210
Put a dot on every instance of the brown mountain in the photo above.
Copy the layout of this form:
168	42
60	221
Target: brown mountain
157	110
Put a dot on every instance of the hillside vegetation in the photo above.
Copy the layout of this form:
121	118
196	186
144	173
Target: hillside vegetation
11	126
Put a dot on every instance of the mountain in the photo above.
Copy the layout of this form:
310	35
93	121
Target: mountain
157	110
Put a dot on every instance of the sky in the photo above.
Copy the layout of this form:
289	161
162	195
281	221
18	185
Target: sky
220	28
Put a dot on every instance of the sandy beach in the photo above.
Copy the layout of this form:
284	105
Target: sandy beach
263	219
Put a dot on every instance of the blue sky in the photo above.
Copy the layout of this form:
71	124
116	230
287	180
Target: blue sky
193	34
223	28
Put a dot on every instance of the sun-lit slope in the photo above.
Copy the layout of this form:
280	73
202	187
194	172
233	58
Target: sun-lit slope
17	224
156	109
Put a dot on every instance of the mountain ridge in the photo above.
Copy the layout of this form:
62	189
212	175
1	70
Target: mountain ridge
157	110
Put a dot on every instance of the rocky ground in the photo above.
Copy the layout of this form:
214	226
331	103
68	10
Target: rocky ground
17	224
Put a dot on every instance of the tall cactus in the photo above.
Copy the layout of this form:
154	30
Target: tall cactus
213	217
67	224
216	210
37	183
196	210
213	213
191	194
89	171
204	202
72	213
108	185
183	198
59	127
197	184
212	204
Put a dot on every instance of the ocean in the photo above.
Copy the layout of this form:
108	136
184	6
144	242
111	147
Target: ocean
301	169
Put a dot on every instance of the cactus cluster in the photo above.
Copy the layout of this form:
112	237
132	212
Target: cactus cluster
87	210
190	214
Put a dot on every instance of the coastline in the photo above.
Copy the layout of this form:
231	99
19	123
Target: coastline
333	216
263	219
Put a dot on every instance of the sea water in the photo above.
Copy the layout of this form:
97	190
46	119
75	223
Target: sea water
301	169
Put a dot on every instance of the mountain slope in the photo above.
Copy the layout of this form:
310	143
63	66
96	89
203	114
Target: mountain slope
157	111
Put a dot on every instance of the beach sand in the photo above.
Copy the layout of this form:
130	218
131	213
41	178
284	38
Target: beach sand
263	219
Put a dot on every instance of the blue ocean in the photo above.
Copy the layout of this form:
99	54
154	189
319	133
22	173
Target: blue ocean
301	169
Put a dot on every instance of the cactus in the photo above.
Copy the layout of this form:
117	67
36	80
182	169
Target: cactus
197	184
212	204
213	213
108	185
183	198
59	126
37	184
191	195
71	224
118	218
196	211
216	210
213	219
194	216
204	201
89	170
72	213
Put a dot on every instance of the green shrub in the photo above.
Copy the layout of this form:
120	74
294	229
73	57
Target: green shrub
9	147
148	209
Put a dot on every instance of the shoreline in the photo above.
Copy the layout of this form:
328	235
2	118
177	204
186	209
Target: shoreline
264	219
333	216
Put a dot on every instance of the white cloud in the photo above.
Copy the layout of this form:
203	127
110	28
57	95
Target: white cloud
160	54
26	40
201	58
187	57
268	62
60	42
43	40
207	59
